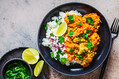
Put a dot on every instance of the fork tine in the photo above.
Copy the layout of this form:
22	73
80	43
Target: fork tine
113	24
116	27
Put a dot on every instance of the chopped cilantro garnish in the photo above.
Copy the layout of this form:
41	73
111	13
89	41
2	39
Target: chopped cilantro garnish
46	27
89	45
62	53
88	31
60	23
52	54
61	39
58	57
57	20
84	35
90	20
79	39
59	51
63	60
80	23
71	18
60	18
71	33
71	64
51	34
79	56
71	50
88	39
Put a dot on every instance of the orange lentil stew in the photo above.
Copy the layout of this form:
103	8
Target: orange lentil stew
82	38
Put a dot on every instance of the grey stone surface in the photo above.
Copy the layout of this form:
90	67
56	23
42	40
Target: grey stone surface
20	20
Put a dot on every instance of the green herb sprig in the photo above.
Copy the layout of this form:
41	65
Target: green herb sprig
79	56
89	20
63	60
71	18
80	23
89	45
71	50
46	27
57	20
52	55
70	33
84	35
61	39
88	31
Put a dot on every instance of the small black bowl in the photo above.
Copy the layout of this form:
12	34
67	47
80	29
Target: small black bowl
15	60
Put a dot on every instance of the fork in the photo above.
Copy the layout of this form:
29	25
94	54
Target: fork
114	34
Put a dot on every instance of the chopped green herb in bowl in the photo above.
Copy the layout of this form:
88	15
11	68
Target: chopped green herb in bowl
17	69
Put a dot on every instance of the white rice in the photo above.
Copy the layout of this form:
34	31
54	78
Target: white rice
52	41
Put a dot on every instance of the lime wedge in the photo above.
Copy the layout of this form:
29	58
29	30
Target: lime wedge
38	68
61	29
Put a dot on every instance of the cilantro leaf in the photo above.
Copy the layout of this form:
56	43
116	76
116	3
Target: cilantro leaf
46	27
52	54
71	64
84	35
79	39
89	45
58	57
71	50
61	39
63	60
62	53
88	39
89	20
57	20
59	51
79	56
71	18
51	34
70	33
60	23
80	23
88	31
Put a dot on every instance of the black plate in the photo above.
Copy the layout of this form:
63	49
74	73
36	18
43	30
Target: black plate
17	53
103	48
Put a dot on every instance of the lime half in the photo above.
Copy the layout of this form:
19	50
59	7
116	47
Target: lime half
30	55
